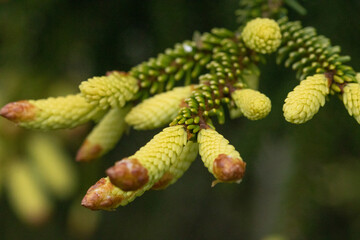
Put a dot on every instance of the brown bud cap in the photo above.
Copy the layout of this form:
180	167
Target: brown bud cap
128	174
88	152
163	182
228	169
19	111
99	196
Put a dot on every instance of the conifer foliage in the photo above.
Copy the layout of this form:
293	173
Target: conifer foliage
190	87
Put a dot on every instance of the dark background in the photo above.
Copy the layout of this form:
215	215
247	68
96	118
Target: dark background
302	182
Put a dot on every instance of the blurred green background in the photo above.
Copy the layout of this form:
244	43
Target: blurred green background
302	182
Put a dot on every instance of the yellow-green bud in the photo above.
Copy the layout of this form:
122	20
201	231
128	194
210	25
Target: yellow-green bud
26	197
220	158
305	100
106	196
113	90
253	104
53	167
150	162
51	113
158	110
351	99
262	35
104	136
177	169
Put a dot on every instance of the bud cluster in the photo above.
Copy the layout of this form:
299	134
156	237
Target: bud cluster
193	86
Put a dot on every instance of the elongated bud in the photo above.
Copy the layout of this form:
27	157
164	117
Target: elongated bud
158	110
351	99
149	163
262	35
53	167
113	90
177	169
51	113
106	196
253	104
221	158
104	136
306	99
25	195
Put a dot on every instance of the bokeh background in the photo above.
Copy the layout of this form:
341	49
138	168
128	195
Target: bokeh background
302	182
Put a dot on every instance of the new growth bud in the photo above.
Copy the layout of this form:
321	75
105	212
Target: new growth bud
105	196
113	90
221	158
104	136
51	113
150	163
158	110
253	104
306	99
262	35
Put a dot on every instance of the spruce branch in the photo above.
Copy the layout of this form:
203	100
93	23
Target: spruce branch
313	57
308	53
185	62
192	86
231	60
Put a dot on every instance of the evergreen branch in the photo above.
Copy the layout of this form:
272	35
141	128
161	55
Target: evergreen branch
184	62
224	66
230	61
308	53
